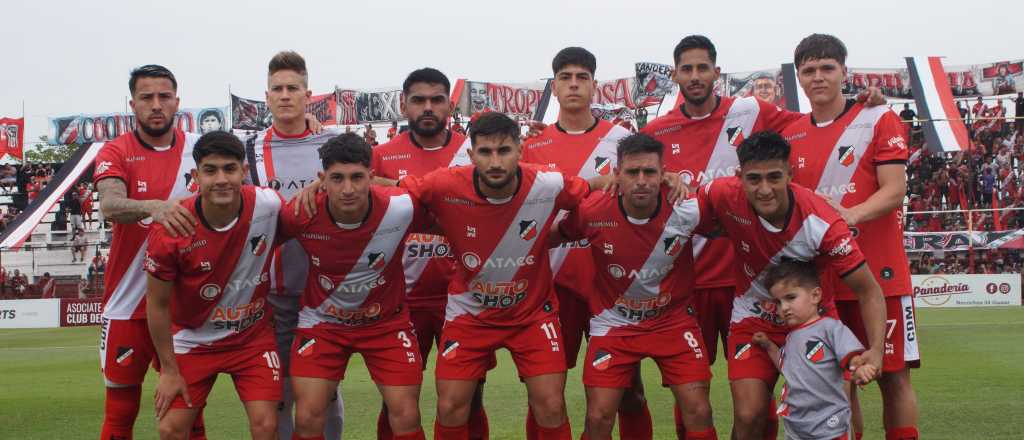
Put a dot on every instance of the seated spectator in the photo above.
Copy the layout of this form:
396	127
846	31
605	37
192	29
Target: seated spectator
46	286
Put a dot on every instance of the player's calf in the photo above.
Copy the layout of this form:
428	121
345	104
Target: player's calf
546	395
602	406
750	408
695	405
312	396
403	408
453	401
899	402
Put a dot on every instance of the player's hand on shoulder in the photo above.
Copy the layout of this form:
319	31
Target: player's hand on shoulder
169	387
677	190
305	200
174	217
313	124
536	128
871	97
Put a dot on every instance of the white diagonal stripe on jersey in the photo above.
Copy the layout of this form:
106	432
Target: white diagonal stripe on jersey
537	206
130	290
351	292
461	157
857	135
803	246
723	161
681	223
239	288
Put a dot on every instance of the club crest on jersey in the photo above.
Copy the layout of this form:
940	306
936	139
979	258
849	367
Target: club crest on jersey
470	260
673	245
846	155
602	359
124	356
602	165
815	351
375	260
450	348
742	352
306	347
209	292
528	229
258	244
735	135
326	283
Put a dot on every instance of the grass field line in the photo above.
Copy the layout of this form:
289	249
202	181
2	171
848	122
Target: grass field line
70	347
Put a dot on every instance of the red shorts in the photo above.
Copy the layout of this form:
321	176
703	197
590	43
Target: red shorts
256	371
427	324
391	356
901	349
574	316
126	350
714	311
746	359
467	348
680	355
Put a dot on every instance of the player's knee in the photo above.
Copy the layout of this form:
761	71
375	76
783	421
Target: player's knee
749	416
405	414
263	426
310	418
548	404
699	411
599	418
449	408
168	430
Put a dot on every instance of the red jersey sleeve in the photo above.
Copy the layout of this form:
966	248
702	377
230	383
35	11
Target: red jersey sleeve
574	191
422	220
708	223
890	145
375	161
839	250
161	255
776	118
421	188
110	162
291	225
574	226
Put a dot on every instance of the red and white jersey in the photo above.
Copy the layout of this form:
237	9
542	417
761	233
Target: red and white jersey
644	274
814	231
502	272
427	259
220	276
588	155
704	149
148	174
841	160
287	164
360	283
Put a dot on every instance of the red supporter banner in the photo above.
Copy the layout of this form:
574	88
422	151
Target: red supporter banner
518	100
346	106
12	137
79	312
618	91
323	107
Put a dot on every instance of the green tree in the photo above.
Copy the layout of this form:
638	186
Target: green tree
43	152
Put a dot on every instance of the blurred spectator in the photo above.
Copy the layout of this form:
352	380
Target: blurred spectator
73	204
370	135
1019	113
393	131
908	117
78	246
46	286
8	178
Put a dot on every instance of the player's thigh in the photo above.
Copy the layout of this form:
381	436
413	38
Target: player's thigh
257	373
126	351
603	401
392	357
467	351
319	354
536	347
750	396
313	394
692	394
177	421
401	397
547	388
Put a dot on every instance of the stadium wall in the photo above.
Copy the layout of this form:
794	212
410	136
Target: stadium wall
50	313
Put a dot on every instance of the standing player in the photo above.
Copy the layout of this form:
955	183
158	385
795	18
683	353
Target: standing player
284	157
206	295
496	214
640	244
429	265
354	301
138	176
582	145
857	156
767	218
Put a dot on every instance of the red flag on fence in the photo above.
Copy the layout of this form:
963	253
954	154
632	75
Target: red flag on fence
12	137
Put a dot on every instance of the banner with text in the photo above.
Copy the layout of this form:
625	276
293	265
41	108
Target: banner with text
78	312
517	100
249	114
967	290
382	106
29	313
85	129
998	78
962	240
12	137
652	82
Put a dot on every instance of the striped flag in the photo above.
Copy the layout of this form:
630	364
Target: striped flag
796	100
944	131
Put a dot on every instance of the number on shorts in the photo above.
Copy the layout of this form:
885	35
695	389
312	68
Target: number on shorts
891	324
405	339
273	361
549	330
692	341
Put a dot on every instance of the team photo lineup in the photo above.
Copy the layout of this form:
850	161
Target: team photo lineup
727	221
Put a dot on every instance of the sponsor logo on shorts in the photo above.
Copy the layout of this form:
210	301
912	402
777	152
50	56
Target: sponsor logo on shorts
258	244
528	229
846	155
815	351
742	352
602	360
306	347
375	260
602	165
450	348
124	356
209	292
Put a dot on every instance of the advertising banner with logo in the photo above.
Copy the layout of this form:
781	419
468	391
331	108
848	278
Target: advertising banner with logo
989	290
30	313
78	312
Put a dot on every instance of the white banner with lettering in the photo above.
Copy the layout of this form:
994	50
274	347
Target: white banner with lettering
30	313
967	290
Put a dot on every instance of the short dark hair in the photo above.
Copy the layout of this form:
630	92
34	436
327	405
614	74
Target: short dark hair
695	42
574	56
638	143
219	143
289	60
819	47
803	273
763	145
427	75
493	123
210	112
345	148
150	71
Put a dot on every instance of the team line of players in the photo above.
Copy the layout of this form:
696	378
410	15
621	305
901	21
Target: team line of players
458	255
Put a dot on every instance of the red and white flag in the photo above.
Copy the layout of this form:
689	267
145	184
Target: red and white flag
943	129
12	137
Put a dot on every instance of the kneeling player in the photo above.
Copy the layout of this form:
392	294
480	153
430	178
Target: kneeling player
206	295
817	352
354	301
641	246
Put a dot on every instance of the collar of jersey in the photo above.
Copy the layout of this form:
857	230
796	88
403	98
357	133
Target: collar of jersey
657	209
807	324
849	105
718	103
369	209
592	127
789	215
174	140
199	213
476	186
277	133
447	139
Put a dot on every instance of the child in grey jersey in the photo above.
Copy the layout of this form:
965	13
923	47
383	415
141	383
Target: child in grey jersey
817	353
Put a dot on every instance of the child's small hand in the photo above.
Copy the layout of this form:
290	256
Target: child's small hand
762	340
863	373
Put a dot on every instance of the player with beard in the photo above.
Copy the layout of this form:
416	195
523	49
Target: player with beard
138	176
858	156
427	145
284	157
583	145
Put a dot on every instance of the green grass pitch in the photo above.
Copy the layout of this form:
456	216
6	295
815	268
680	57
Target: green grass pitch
970	387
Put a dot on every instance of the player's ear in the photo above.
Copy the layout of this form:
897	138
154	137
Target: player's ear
320	176
309	93
816	294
